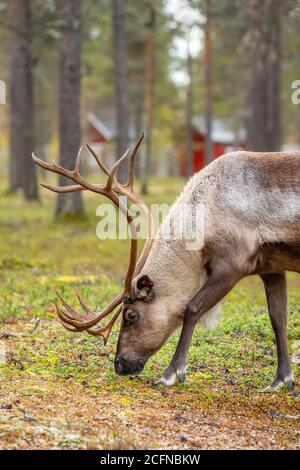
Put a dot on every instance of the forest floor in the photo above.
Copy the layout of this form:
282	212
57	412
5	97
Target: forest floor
58	390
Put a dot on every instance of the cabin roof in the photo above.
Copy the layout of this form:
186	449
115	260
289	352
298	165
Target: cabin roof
100	126
106	126
221	130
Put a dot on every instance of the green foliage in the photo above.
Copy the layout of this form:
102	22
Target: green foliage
230	67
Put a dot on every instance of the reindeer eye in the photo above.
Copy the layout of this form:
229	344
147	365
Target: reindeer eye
130	316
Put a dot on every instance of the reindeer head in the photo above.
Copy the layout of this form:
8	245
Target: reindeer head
147	321
143	328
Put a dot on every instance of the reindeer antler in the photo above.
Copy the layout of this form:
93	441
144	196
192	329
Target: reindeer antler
70	319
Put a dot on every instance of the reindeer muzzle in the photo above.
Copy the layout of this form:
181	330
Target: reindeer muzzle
125	367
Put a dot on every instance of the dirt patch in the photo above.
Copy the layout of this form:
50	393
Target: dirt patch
67	415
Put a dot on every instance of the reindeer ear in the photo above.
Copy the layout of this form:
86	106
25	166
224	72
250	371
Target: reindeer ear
144	287
144	281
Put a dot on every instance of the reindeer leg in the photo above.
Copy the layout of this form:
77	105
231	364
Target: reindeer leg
276	293
216	287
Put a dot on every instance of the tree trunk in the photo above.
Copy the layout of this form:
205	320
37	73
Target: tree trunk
120	73
138	127
149	99
274	124
69	100
208	85
189	116
22	168
264	101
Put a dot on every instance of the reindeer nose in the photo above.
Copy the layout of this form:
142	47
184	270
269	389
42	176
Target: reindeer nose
125	367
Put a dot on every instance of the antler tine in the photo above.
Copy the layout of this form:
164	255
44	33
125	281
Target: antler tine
129	184
150	238
83	304
112	173
74	176
52	167
65	321
77	163
41	163
106	329
63	189
101	164
60	315
89	314
103	331
67	327
88	322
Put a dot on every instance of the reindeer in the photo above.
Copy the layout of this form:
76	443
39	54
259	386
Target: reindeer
251	207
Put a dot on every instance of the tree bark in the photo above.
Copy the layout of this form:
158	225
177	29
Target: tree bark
274	130
208	85
22	168
264	127
69	100
150	70
120	73
138	127
189	116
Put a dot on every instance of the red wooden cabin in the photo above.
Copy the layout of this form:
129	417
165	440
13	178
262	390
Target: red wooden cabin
223	141
101	133
98	131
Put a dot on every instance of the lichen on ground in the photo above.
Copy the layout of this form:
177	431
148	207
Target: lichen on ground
59	390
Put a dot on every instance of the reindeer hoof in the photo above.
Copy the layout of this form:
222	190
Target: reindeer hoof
280	383
181	376
166	382
172	376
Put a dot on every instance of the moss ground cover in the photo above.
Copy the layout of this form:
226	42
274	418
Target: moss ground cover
59	390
